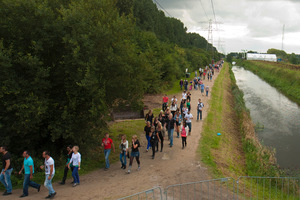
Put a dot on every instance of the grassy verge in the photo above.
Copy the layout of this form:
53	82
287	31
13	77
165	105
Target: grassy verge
238	152
282	77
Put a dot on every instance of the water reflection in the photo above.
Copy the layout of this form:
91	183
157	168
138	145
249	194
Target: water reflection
279	115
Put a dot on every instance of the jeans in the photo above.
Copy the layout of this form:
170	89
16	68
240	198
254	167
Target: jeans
5	179
189	124
170	133
75	175
149	144
199	112
164	106
66	173
181	87
207	93
48	184
27	182
123	158
106	154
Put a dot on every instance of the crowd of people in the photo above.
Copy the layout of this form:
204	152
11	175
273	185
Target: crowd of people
176	117
73	163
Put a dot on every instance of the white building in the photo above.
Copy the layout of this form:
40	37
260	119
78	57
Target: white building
264	57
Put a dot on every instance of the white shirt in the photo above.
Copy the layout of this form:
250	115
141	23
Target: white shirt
188	117
185	111
174	100
173	108
183	95
125	145
49	162
201	106
76	159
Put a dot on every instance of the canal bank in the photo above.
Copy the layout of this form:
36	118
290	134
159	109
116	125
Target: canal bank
237	151
277	117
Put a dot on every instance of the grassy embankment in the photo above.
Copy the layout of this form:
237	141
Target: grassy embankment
284	77
237	152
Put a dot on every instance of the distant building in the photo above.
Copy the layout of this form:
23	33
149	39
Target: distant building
264	57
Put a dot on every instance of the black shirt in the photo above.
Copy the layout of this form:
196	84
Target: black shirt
136	149
170	123
147	130
5	157
154	137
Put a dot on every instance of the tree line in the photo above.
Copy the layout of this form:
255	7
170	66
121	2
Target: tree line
65	64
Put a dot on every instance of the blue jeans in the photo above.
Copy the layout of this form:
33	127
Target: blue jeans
189	124
48	184
123	158
27	182
170	133
149	144
207	93
5	179
199	112
106	154
75	175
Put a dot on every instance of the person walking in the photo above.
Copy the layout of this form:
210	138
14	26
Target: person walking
199	109
76	162
181	84
184	129
165	102
149	117
107	143
28	167
170	124
178	119
49	173
124	151
147	131
161	133
154	138
188	104
202	89
207	90
134	153
173	108
6	171
69	156
188	118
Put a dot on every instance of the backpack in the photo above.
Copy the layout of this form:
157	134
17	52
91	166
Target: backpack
153	136
199	106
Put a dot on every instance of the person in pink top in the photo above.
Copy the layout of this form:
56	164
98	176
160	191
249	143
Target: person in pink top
183	134
107	143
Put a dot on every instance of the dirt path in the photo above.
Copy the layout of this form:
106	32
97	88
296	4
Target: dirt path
172	166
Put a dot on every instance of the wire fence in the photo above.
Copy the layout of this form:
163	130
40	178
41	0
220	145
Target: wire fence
246	187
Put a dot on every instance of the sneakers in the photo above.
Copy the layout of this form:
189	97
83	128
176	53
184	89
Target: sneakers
6	193
62	183
50	196
128	172
75	184
23	195
139	168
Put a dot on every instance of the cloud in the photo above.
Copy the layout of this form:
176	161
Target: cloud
254	24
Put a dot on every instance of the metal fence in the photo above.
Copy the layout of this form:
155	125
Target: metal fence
245	187
208	189
152	194
267	188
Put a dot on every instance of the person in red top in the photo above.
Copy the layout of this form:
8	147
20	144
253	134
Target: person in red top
107	143
165	102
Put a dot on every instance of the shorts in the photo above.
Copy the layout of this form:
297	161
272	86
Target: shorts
135	154
177	123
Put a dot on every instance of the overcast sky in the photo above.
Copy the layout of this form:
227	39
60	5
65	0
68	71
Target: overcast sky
245	24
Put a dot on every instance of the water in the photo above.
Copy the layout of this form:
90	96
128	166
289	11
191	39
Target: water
279	115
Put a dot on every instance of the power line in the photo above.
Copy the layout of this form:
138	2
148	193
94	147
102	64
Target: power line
163	8
203	9
212	5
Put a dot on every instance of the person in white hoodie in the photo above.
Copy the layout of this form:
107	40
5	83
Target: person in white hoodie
76	161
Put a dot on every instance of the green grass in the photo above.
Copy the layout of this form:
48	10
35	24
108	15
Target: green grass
285	79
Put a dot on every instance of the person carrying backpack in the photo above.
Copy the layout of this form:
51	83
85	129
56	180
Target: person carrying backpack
154	138
199	109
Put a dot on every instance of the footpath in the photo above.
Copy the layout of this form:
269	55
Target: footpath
172	166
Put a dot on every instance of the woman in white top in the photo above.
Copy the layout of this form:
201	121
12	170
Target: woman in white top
184	95
173	108
124	151
76	161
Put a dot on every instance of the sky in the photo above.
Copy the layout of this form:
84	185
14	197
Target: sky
255	25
